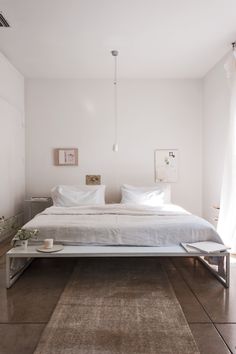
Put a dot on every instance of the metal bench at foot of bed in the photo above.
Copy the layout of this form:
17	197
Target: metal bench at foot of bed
220	269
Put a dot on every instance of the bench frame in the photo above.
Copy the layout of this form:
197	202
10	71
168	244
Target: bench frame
223	273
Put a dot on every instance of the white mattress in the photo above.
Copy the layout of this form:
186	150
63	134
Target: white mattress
120	224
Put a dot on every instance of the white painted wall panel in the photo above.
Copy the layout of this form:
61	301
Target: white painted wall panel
12	140
79	113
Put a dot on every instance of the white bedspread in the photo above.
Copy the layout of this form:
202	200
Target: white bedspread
120	224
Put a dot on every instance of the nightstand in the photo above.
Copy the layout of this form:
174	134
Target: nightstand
35	205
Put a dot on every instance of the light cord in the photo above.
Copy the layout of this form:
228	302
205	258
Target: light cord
115	103
115	84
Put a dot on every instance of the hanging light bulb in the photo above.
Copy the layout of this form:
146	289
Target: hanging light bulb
115	145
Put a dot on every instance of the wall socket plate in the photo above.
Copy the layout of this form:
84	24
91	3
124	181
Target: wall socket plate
93	179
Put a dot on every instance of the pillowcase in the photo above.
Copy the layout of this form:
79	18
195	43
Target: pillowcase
69	196
151	196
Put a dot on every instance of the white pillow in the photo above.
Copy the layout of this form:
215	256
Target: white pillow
151	196
68	196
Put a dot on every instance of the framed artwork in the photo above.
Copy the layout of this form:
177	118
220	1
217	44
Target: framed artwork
66	157
166	165
93	179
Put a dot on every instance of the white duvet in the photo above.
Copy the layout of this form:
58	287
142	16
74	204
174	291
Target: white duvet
121	224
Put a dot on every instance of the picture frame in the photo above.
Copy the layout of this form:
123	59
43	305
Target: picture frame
166	165
66	156
93	179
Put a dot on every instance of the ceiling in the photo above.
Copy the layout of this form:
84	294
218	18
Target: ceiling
155	38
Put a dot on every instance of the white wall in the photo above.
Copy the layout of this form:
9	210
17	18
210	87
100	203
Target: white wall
215	126
152	114
79	113
12	139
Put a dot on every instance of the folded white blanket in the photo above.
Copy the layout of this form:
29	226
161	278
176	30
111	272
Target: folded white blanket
120	224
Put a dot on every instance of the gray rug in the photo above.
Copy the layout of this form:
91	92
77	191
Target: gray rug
117	306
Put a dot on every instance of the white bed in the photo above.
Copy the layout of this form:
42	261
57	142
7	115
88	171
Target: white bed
122	225
82	221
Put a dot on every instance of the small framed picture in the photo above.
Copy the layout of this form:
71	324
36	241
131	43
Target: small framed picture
66	157
93	179
166	165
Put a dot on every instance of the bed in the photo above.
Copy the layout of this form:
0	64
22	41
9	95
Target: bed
124	229
121	225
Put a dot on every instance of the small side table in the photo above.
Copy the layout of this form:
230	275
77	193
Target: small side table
35	205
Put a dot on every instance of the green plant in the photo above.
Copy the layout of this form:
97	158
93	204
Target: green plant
24	234
9	224
2	224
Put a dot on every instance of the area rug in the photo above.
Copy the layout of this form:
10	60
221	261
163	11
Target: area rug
117	306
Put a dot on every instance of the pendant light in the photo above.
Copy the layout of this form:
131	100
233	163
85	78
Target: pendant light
115	53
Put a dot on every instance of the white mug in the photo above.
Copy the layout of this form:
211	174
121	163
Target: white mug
48	243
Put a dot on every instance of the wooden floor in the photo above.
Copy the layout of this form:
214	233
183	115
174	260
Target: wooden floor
25	309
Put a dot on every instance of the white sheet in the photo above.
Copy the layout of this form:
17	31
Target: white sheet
121	224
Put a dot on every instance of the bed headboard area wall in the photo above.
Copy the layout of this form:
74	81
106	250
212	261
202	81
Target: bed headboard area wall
153	114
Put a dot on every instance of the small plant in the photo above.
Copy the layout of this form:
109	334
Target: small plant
2	224
23	235
9	224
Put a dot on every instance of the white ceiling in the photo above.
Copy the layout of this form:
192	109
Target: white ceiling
156	38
